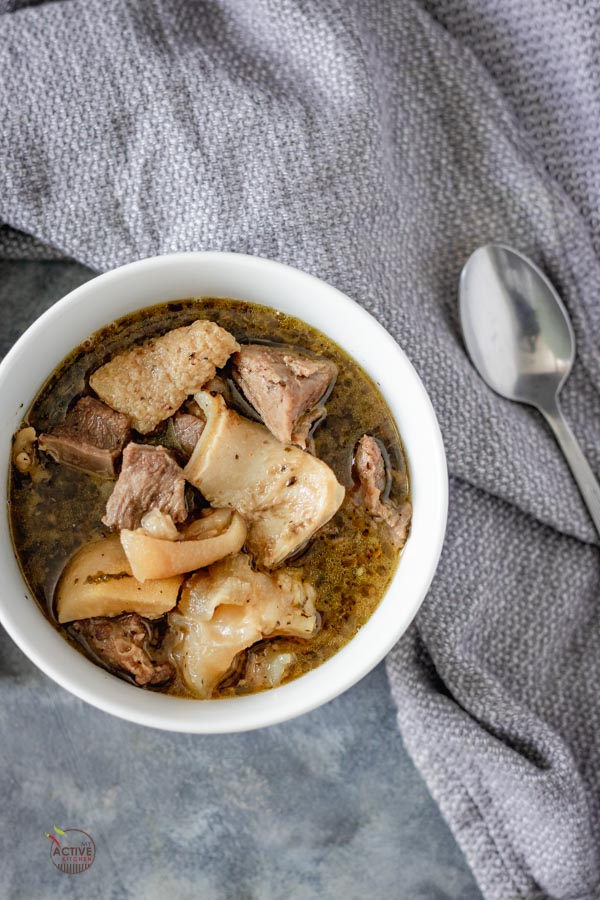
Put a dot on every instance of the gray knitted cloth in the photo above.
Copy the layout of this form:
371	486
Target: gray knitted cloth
364	143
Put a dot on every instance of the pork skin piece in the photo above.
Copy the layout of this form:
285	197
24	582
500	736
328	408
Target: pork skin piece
91	437
370	469
150	382
121	643
228	607
150	479
283	385
284	494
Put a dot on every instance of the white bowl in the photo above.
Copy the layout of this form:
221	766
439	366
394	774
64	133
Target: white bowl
158	279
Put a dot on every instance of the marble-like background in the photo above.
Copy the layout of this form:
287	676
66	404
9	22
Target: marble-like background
326	806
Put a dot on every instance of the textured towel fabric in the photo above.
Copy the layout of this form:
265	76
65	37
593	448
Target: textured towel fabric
364	143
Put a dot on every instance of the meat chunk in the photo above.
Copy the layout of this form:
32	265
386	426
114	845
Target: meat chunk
122	643
283	493
98	582
215	535
25	456
266	667
228	607
91	437
283	385
370	468
150	478
306	424
151	381
187	430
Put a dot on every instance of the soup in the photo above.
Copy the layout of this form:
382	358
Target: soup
208	498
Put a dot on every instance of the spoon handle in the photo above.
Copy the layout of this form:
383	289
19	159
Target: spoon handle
585	478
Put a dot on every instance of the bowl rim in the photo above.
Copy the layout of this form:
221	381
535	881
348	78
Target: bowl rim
353	661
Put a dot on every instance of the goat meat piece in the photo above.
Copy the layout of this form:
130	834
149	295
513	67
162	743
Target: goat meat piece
150	479
121	642
152	380
187	429
370	469
91	437
283	385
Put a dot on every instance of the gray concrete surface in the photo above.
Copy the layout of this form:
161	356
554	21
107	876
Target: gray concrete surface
326	806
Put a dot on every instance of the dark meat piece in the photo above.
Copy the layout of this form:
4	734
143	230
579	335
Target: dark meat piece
149	478
306	425
120	643
284	386
370	469
91	437
187	429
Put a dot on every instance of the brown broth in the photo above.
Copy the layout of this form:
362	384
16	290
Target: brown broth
350	561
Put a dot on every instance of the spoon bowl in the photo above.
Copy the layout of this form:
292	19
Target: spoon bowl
515	325
519	337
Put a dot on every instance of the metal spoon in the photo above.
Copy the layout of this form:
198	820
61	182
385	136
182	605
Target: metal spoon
521	341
